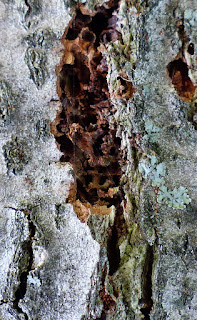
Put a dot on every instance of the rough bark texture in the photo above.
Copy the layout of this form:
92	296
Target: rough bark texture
98	117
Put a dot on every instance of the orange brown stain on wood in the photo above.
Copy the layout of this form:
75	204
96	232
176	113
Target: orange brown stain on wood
178	72
125	88
178	68
109	303
84	210
72	192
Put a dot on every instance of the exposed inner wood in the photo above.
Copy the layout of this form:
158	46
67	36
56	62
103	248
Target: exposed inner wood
83	128
178	72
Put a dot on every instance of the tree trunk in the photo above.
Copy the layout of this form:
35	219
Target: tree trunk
98	160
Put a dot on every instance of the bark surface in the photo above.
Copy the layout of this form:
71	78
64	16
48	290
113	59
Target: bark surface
98	198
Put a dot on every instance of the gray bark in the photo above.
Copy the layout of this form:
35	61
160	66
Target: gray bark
80	239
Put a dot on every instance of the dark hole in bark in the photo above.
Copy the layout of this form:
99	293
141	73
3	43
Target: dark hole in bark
92	196
110	35
81	19
116	180
178	65
112	151
72	33
61	126
28	252
76	119
77	25
146	300
82	69
91	120
96	60
102	180
178	72
74	85
65	159
98	24
88	179
97	147
66	144
114	168
117	141
113	251
88	36
69	81
191	48
82	194
122	81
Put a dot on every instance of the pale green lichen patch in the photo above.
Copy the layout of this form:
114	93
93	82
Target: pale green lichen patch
152	132
191	16
36	62
154	171
176	198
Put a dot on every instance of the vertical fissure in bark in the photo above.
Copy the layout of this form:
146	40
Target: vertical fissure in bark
147	301
112	242
25	266
29	9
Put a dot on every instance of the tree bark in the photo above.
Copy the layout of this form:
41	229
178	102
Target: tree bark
98	160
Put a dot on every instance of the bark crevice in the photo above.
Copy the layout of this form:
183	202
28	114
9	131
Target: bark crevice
147	302
25	266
